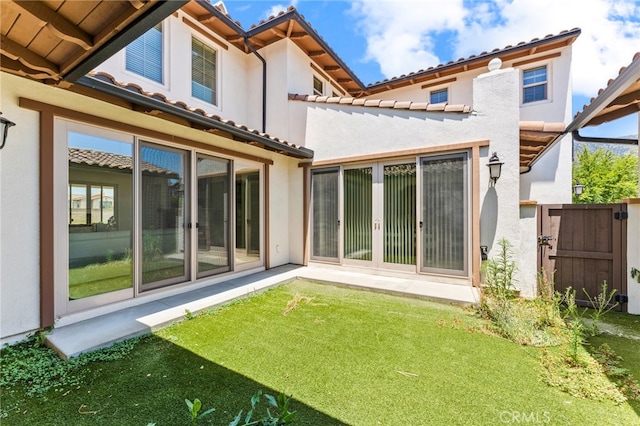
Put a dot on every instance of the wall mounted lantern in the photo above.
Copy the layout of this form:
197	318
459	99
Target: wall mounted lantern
578	188
495	168
4	129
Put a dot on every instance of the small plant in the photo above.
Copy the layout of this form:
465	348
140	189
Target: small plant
601	304
194	410
635	273
499	272
283	415
574	317
188	315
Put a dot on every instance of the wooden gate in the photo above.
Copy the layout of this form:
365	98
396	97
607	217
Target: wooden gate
585	244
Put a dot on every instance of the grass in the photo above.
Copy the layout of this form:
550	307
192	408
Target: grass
346	356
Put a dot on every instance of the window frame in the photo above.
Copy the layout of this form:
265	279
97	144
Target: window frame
216	101
438	92
546	84
322	83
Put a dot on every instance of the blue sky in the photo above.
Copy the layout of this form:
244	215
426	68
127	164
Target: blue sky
380	39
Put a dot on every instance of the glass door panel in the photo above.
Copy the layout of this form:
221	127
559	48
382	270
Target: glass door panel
100	210
358	214
444	214
248	219
213	215
399	201
325	214
164	216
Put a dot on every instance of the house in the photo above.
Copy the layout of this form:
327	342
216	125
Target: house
209	152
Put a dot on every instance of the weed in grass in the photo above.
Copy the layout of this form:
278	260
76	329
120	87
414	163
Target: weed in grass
39	368
188	315
295	302
499	272
283	415
601	304
194	410
586	379
610	362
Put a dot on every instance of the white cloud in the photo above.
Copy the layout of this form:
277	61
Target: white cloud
402	35
275	9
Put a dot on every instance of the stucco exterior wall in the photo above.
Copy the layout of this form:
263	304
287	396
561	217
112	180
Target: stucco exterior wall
19	196
19	215
236	74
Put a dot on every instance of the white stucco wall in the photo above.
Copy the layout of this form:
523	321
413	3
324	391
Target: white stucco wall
237	73
19	215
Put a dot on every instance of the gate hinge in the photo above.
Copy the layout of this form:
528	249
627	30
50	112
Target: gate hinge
621	215
545	240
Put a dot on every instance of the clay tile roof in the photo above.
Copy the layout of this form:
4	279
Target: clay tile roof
92	157
623	97
240	130
508	52
377	103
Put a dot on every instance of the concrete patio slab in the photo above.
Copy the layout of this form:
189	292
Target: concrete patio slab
70	340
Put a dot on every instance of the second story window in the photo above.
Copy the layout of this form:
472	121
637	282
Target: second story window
534	84
144	54
203	72
439	96
318	86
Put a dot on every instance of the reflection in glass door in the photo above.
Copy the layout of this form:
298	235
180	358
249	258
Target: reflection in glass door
99	201
247	215
213	215
163	208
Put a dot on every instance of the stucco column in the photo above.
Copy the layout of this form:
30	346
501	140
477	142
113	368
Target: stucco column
496	99
633	254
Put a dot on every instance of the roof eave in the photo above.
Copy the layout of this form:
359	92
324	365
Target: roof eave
295	15
192	117
608	95
157	13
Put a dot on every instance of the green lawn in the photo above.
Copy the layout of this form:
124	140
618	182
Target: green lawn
346	356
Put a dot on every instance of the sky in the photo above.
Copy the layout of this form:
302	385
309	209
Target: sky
381	39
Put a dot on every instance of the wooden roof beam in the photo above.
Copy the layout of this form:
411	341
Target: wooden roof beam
206	19
615	114
60	26
626	99
15	67
278	33
136	3
316	53
330	68
290	27
16	52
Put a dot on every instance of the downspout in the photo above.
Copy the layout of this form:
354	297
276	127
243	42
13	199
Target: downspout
264	82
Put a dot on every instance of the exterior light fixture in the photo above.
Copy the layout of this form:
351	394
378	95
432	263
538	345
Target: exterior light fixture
578	188
495	168
4	129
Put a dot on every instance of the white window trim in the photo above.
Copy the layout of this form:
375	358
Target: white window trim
166	73
207	105
440	89
324	85
532	66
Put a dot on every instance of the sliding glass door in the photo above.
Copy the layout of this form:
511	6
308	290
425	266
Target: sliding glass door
212	226
444	213
164	202
380	215
406	215
325	212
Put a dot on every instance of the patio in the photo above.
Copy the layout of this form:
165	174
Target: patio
74	335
